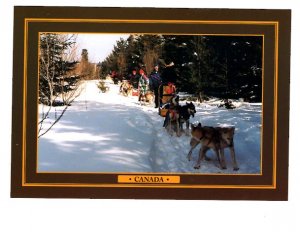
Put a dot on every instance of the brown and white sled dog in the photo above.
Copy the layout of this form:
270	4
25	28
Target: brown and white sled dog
216	138
126	88
148	97
173	122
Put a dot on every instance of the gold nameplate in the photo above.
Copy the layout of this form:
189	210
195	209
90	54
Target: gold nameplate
145	179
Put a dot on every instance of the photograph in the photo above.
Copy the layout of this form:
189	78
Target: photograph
143	102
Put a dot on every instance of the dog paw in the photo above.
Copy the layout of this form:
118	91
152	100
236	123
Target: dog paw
224	167
197	167
236	169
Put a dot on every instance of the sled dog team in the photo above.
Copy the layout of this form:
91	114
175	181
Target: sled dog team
126	89
215	138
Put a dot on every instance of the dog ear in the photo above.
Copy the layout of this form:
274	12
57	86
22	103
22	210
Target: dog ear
199	124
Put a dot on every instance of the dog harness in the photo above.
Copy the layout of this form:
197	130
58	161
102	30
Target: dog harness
173	114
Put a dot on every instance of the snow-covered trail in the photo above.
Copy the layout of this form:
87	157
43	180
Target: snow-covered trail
98	135
107	132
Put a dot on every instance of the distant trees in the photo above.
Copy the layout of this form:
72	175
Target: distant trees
221	66
150	50
85	68
135	52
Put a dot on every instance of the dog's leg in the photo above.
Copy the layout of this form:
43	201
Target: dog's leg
187	130
222	158
177	127
180	124
233	158
166	120
191	151
201	156
170	129
169	126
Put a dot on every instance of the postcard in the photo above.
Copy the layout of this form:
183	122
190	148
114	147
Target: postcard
172	104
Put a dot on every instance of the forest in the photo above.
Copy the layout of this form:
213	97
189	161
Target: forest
206	66
213	66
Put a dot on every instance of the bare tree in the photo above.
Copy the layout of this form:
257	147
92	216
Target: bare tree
58	86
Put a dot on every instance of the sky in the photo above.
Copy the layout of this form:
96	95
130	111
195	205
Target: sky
99	46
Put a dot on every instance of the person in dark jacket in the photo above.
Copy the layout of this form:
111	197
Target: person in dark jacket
154	83
134	79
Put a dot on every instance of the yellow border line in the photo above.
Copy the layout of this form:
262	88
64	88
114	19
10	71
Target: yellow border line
262	111
92	185
153	173
150	21
275	102
27	20
24	104
159	173
163	173
148	33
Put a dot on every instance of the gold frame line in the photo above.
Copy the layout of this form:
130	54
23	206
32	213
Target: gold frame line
276	24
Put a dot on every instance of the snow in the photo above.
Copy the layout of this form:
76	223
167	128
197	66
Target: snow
107	132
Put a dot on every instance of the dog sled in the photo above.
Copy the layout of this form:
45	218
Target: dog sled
165	93
135	92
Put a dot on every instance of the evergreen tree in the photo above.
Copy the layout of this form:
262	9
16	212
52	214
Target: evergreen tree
220	66
53	66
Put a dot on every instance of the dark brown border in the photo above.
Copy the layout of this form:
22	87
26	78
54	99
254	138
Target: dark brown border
261	187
